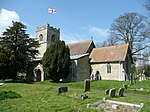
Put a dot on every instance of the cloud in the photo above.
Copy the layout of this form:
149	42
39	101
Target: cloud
98	31
98	34
70	38
6	18
32	36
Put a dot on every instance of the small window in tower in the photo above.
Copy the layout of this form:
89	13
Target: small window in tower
41	37
53	38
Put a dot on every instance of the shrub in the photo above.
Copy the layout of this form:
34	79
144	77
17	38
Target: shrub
8	94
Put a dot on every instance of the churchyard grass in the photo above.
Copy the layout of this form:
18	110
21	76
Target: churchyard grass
43	97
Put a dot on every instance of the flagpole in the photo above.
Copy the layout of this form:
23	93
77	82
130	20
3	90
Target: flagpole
51	10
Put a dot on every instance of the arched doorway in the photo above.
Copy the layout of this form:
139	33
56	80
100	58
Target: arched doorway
38	74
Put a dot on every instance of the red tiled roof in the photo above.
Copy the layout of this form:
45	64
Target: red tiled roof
79	48
110	53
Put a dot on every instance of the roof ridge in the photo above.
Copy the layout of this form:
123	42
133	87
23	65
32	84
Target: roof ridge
111	46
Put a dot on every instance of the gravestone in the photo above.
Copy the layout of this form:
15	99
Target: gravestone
87	85
142	77
112	92
120	92
107	91
62	89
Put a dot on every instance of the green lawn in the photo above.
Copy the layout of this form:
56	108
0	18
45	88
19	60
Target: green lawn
43	97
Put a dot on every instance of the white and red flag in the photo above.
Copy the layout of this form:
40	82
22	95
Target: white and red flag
51	10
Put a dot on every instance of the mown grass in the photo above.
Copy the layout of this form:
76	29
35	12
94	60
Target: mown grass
43	97
144	84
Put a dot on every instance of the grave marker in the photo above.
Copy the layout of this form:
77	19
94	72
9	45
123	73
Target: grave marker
120	92
87	85
62	89
112	92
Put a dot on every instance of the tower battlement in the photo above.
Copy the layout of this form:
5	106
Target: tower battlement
46	35
47	26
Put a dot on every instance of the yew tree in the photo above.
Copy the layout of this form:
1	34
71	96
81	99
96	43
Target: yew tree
56	61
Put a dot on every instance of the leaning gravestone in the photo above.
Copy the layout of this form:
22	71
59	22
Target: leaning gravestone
62	89
87	85
121	91
112	92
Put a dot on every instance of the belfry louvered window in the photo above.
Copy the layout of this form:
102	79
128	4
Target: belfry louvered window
41	37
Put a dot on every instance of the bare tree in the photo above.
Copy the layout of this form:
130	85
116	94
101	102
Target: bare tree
108	42
131	28
148	5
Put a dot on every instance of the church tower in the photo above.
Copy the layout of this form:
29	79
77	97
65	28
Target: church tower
46	35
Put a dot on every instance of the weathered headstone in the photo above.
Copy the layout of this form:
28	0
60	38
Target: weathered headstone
120	92
62	89
142	76
107	91
87	85
112	92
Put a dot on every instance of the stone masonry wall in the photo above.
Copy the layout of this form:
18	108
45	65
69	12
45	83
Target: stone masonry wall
83	68
116	69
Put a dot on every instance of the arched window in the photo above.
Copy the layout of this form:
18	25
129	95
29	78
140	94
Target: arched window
108	68
53	38
41	37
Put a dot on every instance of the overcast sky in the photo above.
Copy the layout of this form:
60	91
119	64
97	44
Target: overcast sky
78	20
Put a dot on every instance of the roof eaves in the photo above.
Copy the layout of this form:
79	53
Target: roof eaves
96	62
75	57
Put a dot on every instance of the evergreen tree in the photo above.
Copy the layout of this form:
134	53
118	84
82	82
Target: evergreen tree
20	46
5	63
56	61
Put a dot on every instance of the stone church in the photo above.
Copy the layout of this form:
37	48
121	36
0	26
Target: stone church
87	62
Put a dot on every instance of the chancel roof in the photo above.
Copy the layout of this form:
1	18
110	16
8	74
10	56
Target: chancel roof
109	53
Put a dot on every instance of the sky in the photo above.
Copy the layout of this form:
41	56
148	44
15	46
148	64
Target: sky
78	20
